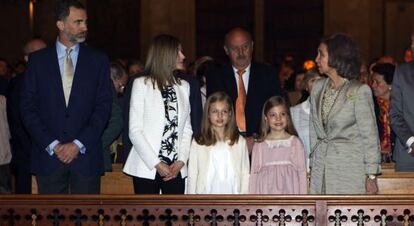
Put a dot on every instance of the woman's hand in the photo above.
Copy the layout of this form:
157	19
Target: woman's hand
371	186
163	169
412	149
174	169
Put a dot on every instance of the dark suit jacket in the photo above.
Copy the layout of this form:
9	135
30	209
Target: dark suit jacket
112	131
263	84
195	102
20	138
402	115
4	84
47	118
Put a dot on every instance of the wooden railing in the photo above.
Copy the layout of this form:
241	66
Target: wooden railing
48	210
390	182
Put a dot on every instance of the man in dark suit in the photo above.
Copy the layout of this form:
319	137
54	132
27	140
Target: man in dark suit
20	138
248	83
402	115
66	102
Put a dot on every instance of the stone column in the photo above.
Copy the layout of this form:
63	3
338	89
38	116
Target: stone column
175	17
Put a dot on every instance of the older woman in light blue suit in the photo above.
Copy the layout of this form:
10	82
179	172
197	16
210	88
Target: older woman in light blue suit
345	151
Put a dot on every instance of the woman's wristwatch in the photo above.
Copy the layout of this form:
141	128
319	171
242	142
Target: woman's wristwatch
372	176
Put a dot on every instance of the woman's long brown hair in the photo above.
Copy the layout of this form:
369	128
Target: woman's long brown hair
162	60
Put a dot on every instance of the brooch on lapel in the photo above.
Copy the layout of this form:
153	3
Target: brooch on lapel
350	95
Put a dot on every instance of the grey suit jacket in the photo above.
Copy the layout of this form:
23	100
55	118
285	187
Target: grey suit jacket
402	115
347	148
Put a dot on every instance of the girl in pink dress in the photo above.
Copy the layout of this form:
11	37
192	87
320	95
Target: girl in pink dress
278	158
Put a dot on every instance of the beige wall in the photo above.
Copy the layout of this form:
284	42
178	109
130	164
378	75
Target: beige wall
381	27
176	17
259	30
44	20
399	23
14	28
362	19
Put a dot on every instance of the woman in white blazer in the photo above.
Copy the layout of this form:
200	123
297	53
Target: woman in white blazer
159	126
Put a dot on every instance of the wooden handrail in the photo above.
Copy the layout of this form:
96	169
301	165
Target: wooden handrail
47	210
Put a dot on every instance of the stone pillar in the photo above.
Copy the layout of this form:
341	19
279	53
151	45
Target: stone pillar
15	28
44	21
259	30
175	17
362	19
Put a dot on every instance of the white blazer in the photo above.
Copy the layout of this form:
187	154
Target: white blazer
5	151
146	125
199	163
301	121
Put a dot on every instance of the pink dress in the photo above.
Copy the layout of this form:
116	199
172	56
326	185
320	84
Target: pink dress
278	167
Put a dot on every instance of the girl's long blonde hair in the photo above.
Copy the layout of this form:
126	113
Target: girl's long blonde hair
207	135
269	104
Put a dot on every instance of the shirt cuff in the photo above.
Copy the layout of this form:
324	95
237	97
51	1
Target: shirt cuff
51	148
81	147
410	141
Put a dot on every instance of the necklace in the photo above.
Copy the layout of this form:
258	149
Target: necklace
329	98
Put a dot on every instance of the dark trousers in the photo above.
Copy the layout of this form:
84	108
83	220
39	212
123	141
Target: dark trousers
22	182
148	186
66	181
5	179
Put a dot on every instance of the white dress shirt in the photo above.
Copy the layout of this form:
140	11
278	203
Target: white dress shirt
246	76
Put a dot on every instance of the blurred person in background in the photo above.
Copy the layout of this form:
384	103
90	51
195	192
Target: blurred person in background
402	115
300	113
21	141
134	67
381	85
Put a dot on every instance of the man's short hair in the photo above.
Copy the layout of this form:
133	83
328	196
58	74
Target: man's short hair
29	48
63	8
237	29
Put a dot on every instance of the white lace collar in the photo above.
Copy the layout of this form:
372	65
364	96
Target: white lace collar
279	143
